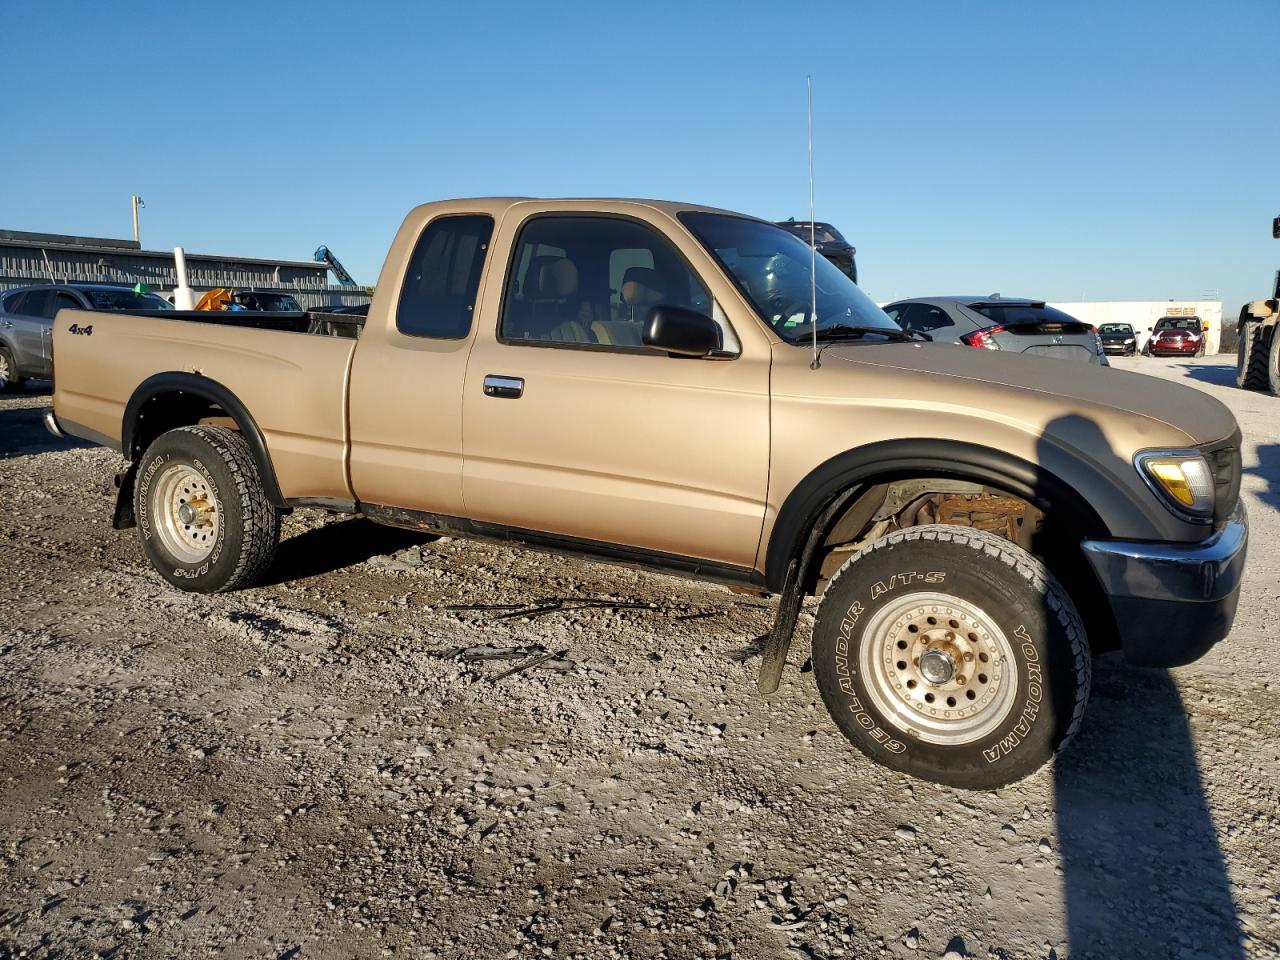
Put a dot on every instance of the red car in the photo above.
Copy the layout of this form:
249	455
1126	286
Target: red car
1177	337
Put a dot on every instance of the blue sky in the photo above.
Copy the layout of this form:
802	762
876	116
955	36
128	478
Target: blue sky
1109	150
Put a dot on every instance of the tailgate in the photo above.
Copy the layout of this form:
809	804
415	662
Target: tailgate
294	385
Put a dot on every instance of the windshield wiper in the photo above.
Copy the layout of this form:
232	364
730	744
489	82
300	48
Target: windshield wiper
841	331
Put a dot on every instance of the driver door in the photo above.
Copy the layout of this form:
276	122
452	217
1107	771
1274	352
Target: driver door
573	428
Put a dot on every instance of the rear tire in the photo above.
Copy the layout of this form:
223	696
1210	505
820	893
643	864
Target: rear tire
1253	352
204	518
953	655
9	379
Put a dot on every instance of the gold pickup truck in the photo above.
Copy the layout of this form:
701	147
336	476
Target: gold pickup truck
642	382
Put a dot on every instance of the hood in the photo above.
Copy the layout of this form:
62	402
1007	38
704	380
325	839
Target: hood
1036	389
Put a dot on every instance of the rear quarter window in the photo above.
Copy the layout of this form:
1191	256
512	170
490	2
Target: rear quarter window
443	278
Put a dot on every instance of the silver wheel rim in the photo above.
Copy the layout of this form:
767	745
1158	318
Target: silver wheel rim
186	513
5	372
948	634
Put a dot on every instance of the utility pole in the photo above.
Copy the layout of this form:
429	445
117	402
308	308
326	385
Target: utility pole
137	202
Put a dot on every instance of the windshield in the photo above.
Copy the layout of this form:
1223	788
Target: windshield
1168	323
125	300
772	268
272	302
1116	328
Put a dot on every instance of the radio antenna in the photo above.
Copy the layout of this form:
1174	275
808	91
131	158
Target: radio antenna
813	242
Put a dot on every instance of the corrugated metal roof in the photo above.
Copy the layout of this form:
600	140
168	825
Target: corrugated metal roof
53	241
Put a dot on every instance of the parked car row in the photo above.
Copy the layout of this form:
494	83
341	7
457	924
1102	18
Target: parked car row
1011	324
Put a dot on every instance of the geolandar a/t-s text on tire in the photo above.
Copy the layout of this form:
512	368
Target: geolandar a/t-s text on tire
953	655
203	516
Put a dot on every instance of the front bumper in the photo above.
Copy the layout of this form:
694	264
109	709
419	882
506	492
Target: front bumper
1173	601
1119	349
1176	347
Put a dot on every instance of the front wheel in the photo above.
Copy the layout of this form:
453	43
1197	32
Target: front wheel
204	518
953	655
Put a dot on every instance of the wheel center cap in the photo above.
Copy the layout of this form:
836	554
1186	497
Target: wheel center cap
936	666
187	514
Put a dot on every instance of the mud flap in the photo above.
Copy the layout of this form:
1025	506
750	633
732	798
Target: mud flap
784	625
124	518
794	587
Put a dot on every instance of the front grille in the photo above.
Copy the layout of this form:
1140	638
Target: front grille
1224	463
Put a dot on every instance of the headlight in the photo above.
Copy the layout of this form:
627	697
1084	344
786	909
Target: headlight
1182	479
1130	340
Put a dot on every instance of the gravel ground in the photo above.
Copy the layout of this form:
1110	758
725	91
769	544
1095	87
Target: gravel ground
406	747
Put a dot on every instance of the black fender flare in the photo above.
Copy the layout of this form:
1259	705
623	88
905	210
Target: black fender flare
196	385
896	459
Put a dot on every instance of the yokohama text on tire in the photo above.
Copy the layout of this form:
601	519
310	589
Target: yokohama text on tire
953	655
203	516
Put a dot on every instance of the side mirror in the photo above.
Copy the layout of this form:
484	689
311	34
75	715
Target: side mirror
681	331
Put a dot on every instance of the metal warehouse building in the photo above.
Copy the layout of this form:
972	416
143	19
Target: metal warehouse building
27	258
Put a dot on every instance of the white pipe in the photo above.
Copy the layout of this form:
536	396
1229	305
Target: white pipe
183	296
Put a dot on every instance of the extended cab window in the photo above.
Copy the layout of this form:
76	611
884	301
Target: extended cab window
593	280
439	294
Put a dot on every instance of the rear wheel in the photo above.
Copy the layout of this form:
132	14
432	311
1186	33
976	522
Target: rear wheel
1253	351
203	515
9	379
952	655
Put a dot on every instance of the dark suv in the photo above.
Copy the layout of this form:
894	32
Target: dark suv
829	242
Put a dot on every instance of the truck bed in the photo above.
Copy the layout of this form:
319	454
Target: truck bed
289	369
314	322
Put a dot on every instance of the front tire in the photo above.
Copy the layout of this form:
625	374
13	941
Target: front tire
952	655
204	518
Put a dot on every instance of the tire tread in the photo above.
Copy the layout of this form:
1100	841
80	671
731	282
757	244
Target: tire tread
260	519
1253	357
1030	569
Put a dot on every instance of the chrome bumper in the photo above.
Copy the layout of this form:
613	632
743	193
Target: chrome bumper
51	424
1173	601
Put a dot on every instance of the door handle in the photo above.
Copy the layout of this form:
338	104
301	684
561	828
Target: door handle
507	388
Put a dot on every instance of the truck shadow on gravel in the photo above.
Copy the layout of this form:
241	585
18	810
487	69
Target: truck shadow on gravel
1218	374
335	546
1268	468
1143	871
22	434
